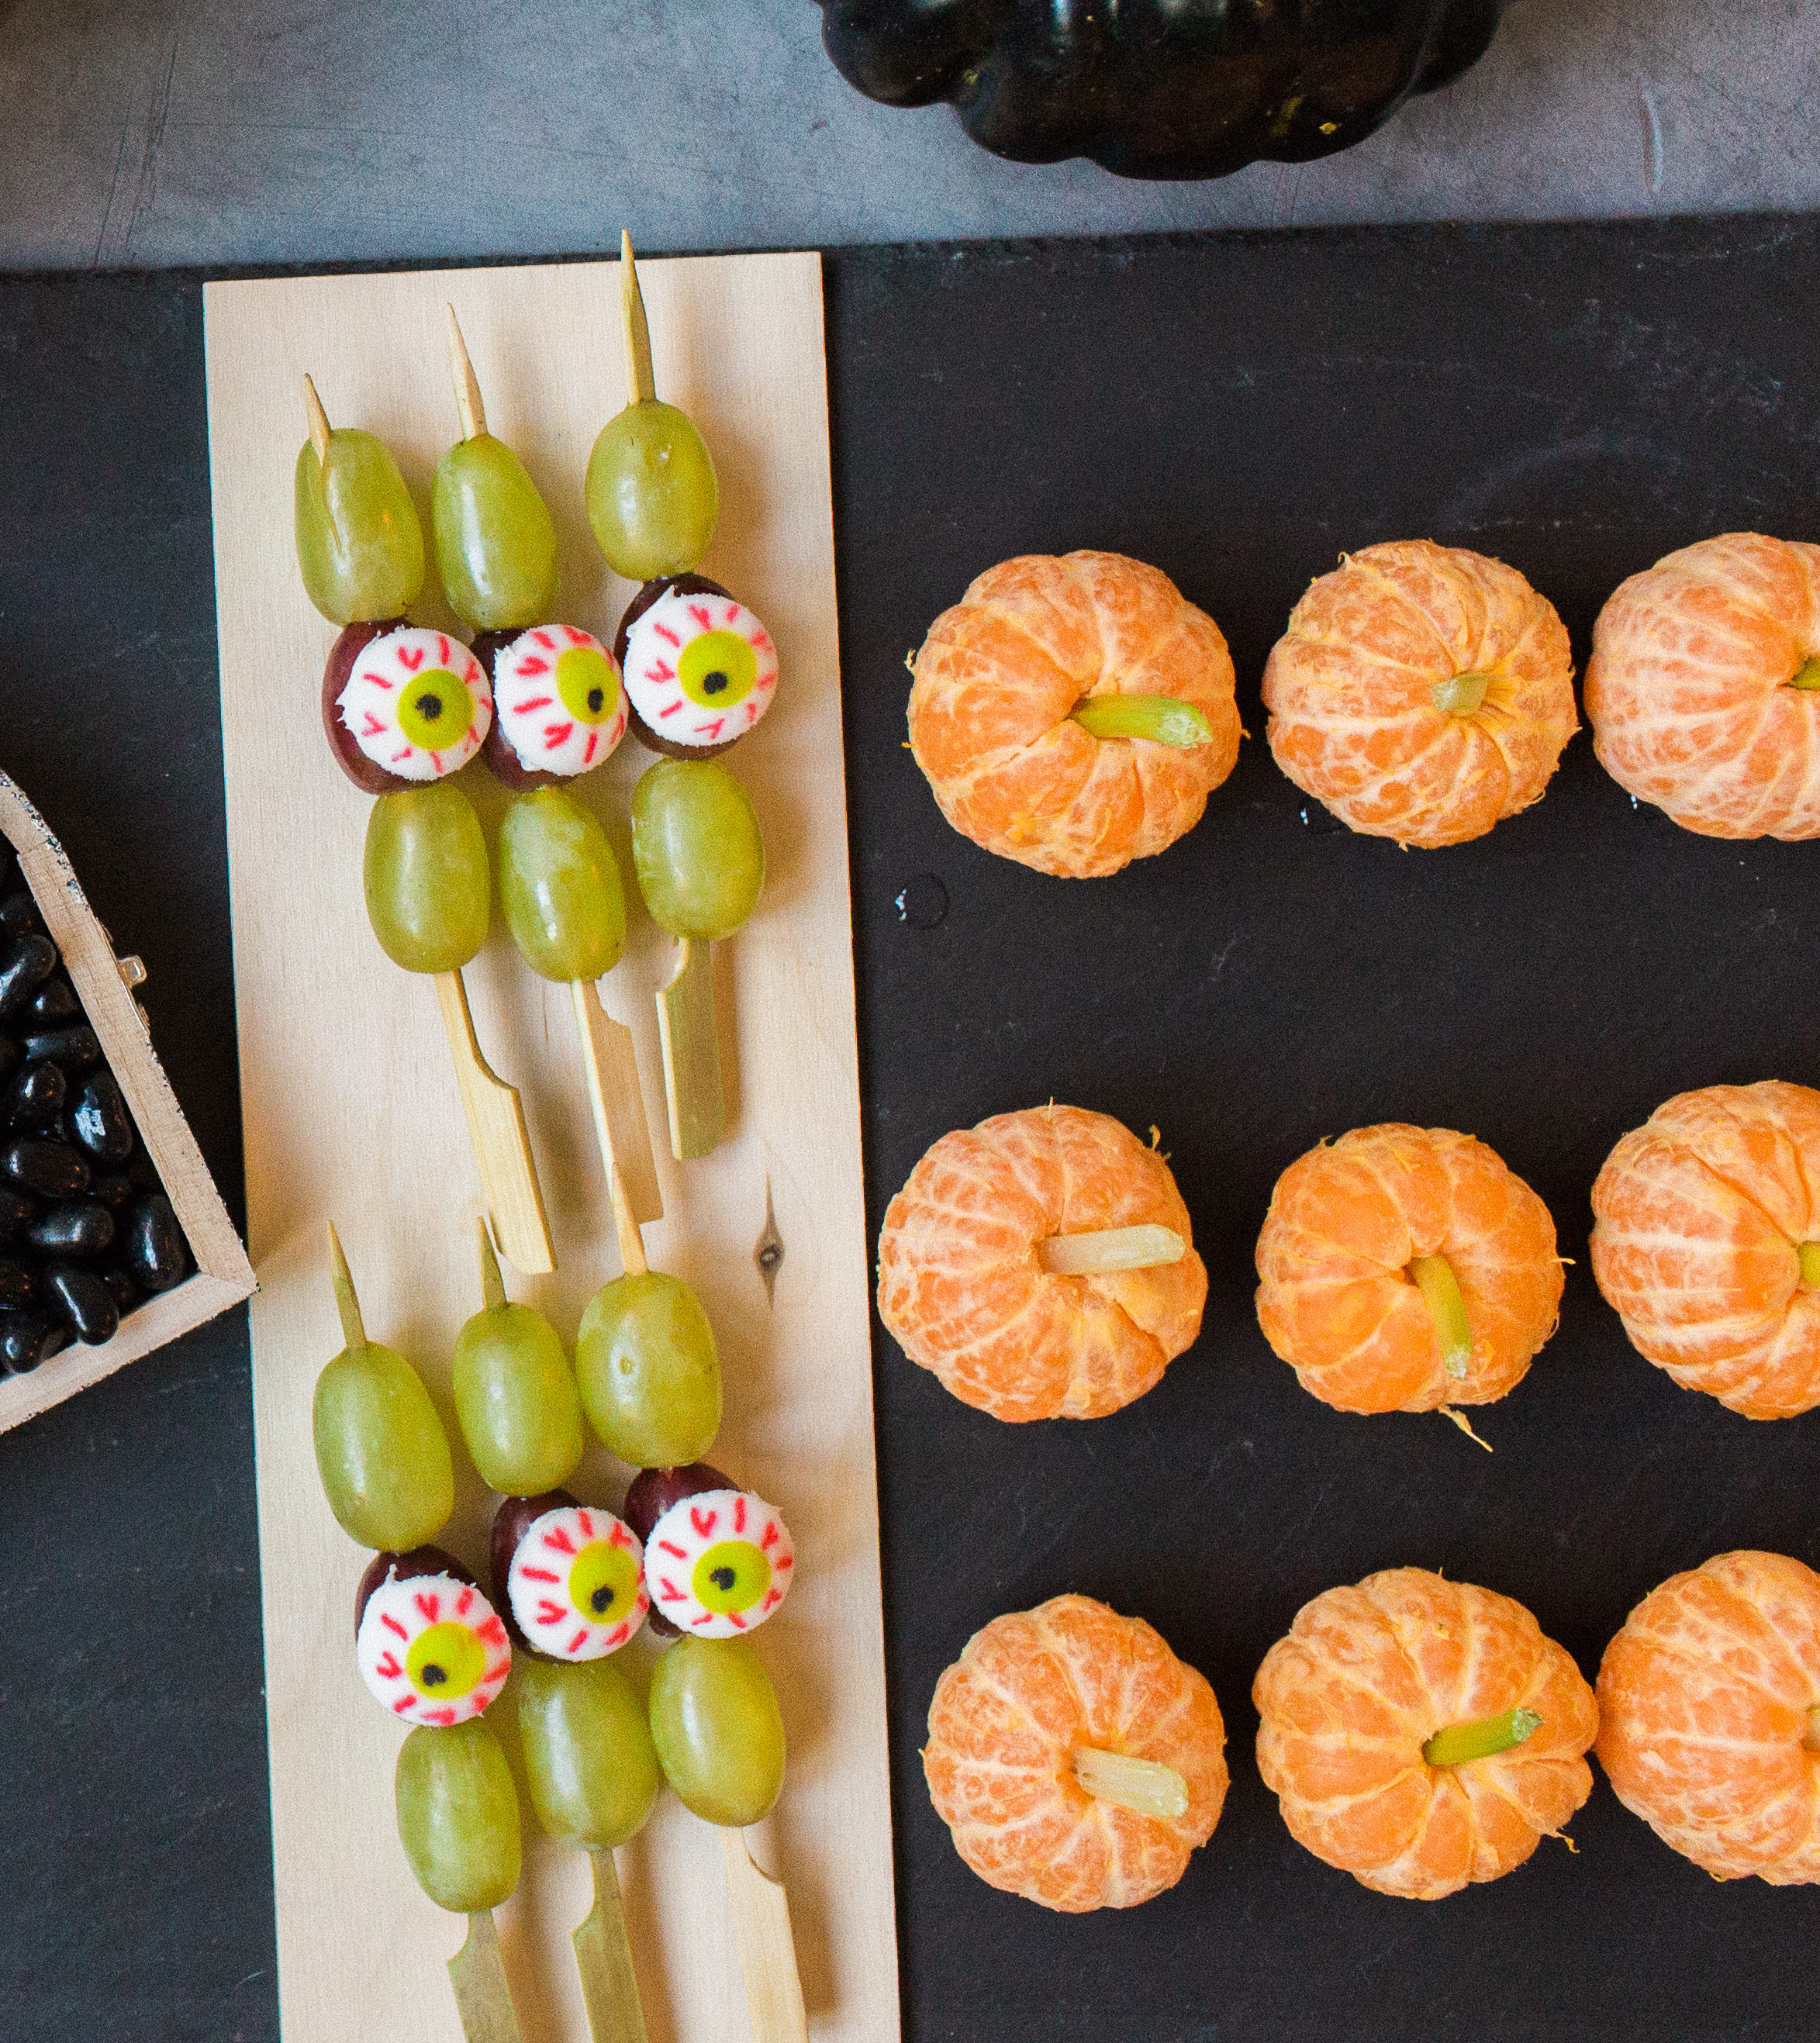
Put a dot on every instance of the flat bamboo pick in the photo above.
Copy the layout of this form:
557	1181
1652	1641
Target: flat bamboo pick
318	420
1145	1248
468	404
604	1959
767	1949
639	384
483	1996
502	1141
690	1031
611	1070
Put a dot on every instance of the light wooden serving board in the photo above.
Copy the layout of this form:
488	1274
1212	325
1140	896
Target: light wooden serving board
351	1112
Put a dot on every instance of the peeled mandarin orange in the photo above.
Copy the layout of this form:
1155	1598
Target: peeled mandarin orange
1373	1708
962	1291
1707	1240
1709	1716
992	711
1701	687
1404	1268
1422	692
1033	1732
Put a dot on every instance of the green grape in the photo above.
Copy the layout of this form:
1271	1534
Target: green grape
359	542
718	1729
649	1373
516	1398
588	1753
381	1450
696	847
651	492
496	543
458	1816
429	891
559	884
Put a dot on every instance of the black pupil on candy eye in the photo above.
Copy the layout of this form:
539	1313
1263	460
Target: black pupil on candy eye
602	1597
712	684
724	1578
429	706
596	697
432	1675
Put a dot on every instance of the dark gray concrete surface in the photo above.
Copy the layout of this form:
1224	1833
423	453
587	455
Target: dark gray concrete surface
148	133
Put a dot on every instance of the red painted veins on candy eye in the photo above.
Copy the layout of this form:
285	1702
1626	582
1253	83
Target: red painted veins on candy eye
719	1563
576	1583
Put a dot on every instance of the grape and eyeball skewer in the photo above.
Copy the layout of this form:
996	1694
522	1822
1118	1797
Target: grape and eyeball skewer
560	712
404	709
431	1648
699	670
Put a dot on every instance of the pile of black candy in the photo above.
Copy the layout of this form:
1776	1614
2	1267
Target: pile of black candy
86	1231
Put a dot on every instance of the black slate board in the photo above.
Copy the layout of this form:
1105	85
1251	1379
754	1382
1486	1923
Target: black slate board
1577	400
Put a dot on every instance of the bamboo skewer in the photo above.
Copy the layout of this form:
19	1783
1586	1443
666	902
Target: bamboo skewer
483	1996
767	1949
640	386
502	1141
688	1028
611	1073
604	1959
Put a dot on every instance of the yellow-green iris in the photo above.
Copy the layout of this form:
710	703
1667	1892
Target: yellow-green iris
717	669
436	710
603	1583
732	1576
587	684
445	1662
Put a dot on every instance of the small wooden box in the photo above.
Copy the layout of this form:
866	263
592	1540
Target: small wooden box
223	1276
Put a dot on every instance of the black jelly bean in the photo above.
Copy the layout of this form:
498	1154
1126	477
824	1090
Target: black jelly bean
25	964
10	1054
143	1173
154	1248
18	1281
27	1339
17	1213
19	914
54	1000
116	1191
82	1227
75	1049
85	1303
48	1167
120	1288
102	1125
35	1096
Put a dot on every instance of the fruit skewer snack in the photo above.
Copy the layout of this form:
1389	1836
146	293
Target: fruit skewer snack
560	712
566	1579
404	709
431	1648
699	669
649	1376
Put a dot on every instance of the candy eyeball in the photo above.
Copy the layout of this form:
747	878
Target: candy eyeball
431	1648
576	1586
558	697
699	668
719	1563
416	704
